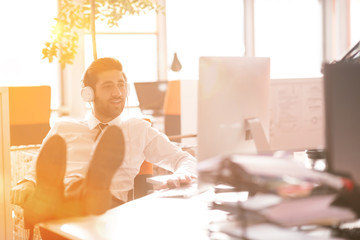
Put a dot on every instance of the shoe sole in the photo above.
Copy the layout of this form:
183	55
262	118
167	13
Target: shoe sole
51	163
49	190
108	157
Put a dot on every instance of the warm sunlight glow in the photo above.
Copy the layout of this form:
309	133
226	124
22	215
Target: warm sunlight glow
214	30
292	41
355	21
137	23
137	53
57	30
24	35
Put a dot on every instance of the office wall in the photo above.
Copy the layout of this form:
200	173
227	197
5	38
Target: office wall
189	107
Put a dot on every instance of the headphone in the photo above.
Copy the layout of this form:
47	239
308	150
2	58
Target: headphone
88	94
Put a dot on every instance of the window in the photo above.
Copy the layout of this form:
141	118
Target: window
136	52
202	28
25	28
355	21
133	43
290	33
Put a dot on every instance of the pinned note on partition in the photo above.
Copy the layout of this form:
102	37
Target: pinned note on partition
296	114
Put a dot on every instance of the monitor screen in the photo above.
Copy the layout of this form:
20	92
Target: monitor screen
296	114
151	96
231	91
342	121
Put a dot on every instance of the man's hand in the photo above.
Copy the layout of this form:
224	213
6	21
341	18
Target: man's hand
21	192
178	180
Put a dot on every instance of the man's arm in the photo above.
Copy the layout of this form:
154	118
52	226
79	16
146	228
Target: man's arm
178	180
163	153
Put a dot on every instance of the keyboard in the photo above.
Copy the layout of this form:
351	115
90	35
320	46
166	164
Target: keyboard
181	192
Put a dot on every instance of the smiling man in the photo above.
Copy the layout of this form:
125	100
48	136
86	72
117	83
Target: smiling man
102	153
111	92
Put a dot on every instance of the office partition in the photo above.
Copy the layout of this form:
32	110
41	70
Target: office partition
5	173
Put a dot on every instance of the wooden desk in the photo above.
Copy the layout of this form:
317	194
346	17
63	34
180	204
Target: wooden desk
157	218
149	217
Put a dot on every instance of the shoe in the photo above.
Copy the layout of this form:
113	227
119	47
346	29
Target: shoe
107	158
42	205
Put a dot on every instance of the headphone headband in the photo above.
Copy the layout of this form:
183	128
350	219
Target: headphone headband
88	94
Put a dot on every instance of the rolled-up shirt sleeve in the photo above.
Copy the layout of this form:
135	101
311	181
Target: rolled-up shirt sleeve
160	151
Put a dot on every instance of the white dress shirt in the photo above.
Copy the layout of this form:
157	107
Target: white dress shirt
142	141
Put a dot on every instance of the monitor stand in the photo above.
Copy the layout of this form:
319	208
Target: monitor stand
256	132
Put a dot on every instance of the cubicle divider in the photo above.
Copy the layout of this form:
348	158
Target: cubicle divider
172	109
5	173
29	110
180	111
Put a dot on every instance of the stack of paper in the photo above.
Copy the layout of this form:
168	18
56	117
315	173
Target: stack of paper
292	201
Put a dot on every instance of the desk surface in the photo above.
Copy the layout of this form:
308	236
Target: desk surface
152	217
147	218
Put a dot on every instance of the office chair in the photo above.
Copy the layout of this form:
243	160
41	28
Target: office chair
172	109
29	117
141	186
29	110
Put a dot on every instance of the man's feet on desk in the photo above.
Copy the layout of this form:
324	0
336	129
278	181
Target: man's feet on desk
108	157
48	195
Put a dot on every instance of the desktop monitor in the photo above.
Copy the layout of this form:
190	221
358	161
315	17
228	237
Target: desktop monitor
296	114
151	96
342	121
233	96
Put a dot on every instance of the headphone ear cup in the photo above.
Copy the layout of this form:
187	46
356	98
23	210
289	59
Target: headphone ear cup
87	94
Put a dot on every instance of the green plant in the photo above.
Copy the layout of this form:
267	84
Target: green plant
75	15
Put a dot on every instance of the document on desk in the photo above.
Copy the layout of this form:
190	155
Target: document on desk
266	231
180	192
308	210
185	191
292	212
271	232
268	167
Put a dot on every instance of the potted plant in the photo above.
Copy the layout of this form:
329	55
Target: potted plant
75	15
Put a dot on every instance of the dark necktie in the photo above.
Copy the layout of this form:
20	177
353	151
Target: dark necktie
101	127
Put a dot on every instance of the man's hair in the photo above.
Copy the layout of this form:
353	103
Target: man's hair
98	66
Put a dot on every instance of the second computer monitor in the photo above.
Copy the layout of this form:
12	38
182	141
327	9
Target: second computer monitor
151	96
233	92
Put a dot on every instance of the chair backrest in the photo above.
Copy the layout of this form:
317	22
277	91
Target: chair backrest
29	109
172	109
141	186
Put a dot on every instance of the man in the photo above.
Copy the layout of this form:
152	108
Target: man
103	147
